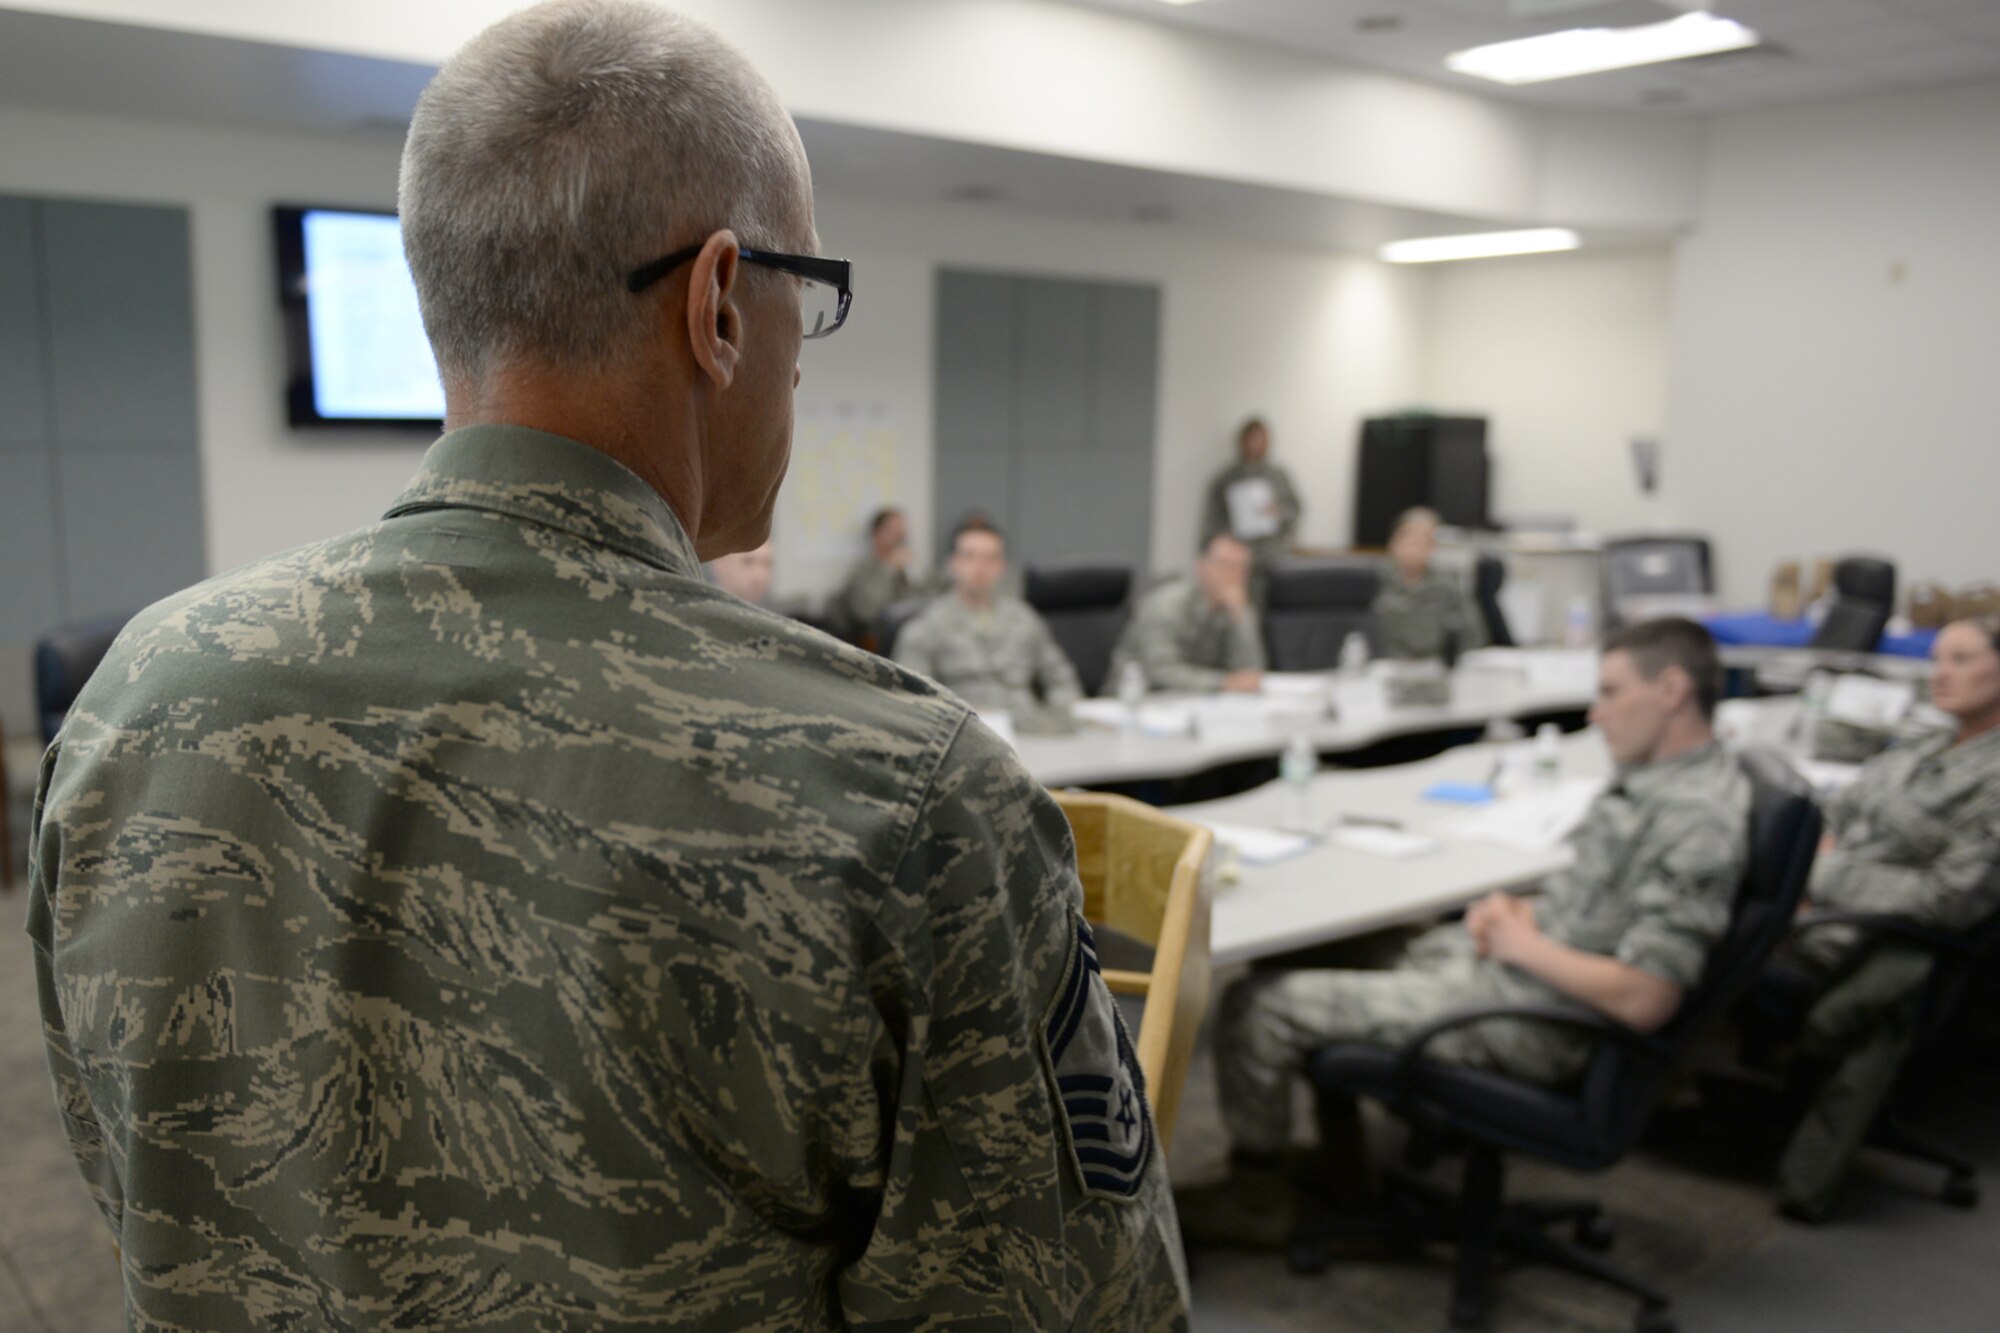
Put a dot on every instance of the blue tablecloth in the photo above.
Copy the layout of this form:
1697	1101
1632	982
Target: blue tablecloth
1761	629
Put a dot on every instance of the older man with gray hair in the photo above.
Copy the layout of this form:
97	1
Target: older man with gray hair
478	921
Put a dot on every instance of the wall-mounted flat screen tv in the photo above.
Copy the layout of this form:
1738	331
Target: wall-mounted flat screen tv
355	349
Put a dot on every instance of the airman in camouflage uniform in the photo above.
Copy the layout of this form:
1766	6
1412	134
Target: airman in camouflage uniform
1253	464
478	921
879	578
1199	634
1420	606
986	646
1659	857
1916	836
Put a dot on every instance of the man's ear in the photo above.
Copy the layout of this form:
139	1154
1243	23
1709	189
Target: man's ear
1678	684
715	325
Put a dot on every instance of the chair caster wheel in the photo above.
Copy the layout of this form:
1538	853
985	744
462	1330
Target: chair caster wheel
1961	1192
1306	1259
1593	1234
1653	1319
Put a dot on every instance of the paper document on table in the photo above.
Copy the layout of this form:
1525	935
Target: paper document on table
1166	719
1825	778
1392	843
1259	846
1253	508
1101	712
1296	684
1868	702
1534	820
1229	717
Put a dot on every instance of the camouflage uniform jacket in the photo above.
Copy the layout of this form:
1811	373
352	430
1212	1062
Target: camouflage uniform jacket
1215	507
995	658
1916	836
479	922
870	589
1183	643
1412	619
1659	858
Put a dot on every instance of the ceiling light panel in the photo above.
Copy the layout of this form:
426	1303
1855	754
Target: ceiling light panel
1577	51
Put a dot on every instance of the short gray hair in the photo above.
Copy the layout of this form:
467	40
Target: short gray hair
567	145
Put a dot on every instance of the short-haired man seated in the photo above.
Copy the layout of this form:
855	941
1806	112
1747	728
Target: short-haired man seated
1199	634
1625	931
1917	836
985	645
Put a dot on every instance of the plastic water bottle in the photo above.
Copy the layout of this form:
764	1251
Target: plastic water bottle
1298	766
1548	755
1132	691
1354	654
1580	630
1813	701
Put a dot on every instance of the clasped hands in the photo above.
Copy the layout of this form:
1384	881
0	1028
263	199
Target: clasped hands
1503	927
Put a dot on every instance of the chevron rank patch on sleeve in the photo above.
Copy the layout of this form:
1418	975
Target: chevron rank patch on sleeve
1097	1079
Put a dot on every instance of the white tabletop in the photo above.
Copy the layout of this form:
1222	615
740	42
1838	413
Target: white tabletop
1490	685
1332	892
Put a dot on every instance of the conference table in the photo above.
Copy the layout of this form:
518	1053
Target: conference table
1178	736
1382	853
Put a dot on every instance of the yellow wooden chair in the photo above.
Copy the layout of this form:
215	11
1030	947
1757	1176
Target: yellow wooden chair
1142	876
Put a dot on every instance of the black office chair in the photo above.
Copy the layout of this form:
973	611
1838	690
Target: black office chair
1864	597
894	617
1085	606
1312	605
1778	1009
1488	575
1655	565
64	661
1586	1126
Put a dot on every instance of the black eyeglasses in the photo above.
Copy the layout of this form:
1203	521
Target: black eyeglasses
826	286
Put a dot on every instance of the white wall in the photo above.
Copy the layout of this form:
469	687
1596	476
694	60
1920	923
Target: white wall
1836	339
265	487
1312	341
1566	355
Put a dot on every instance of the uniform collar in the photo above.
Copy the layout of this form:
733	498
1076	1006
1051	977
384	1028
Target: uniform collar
554	482
1642	782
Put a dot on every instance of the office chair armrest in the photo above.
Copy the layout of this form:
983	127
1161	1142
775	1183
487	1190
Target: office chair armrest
1596	1025
1902	929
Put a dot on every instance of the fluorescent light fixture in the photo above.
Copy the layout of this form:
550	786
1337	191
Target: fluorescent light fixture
1574	51
1180	2
1482	245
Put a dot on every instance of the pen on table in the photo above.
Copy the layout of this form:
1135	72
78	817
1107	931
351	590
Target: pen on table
1371	821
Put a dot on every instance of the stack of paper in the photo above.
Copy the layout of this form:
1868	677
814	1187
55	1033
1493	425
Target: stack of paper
1259	846
1533	820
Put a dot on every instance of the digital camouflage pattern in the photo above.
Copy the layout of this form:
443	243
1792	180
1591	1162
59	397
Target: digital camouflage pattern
999	657
1183	643
1412	619
479	922
1659	857
1915	836
871	588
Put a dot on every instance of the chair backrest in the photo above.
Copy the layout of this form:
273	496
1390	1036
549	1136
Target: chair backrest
1489	574
894	617
64	661
1142	874
1085	606
1312	605
1864	597
1620	1089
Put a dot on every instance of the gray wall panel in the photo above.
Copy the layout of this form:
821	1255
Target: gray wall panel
131	529
121	325
1053	360
1045	413
30	587
24	419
